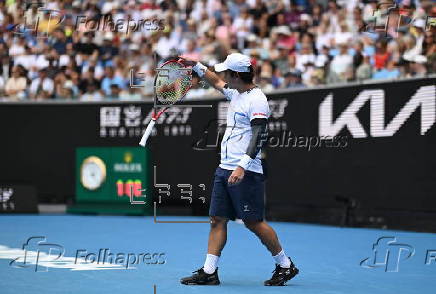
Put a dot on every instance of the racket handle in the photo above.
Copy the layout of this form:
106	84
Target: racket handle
147	132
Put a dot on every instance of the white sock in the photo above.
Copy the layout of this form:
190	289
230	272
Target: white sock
282	260
210	264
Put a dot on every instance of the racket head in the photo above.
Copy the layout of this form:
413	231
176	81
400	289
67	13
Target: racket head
172	81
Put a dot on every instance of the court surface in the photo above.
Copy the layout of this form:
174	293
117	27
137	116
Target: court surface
328	257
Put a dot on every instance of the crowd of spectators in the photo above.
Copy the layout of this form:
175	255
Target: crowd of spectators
94	49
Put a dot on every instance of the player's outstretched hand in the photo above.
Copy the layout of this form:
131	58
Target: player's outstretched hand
236	176
187	62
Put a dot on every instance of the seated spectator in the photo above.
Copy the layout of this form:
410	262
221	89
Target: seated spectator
323	58
390	72
92	94
342	63
285	39
418	66
108	50
317	78
115	92
344	35
95	68
364	70
305	56
266	82
131	94
18	47
87	45
242	26
358	54
88	78
66	92
60	42
292	80
429	49
110	79
381	55
191	52
64	87
224	32
2	86
281	61
27	60
166	42
16	85
276	78
42	87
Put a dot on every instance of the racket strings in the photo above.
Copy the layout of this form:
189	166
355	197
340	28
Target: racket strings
172	83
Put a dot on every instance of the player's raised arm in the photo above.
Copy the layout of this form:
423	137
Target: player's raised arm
213	79
204	73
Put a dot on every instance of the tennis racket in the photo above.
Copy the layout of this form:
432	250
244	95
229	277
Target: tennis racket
173	80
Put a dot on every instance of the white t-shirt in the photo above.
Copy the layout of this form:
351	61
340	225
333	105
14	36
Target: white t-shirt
16	50
25	60
40	61
47	85
341	62
243	108
96	96
302	59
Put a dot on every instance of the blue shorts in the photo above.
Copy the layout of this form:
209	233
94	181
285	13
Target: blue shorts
244	200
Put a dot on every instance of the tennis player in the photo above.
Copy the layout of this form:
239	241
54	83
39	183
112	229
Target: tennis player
238	190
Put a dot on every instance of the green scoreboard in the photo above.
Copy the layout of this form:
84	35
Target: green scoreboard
112	180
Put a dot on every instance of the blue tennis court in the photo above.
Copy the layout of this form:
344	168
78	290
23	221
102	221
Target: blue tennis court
328	257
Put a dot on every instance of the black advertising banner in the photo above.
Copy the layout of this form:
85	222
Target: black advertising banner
378	151
372	144
40	139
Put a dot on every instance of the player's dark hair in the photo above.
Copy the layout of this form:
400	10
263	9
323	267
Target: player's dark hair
246	77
